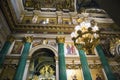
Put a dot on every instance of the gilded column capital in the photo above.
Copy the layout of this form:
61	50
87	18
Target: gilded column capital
10	38
60	39
28	39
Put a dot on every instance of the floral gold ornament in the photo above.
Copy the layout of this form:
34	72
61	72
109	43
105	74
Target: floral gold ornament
47	71
28	39
86	35
60	39
115	46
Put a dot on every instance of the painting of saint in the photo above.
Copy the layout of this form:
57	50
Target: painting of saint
17	47
73	49
70	49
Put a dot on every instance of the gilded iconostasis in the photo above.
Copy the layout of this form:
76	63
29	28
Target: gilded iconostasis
45	20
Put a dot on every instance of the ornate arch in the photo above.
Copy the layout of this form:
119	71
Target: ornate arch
32	51
43	46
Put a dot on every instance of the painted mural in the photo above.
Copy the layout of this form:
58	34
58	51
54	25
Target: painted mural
36	43
45	42
17	47
52	43
70	49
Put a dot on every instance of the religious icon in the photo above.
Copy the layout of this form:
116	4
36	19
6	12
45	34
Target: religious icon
17	47
73	49
70	49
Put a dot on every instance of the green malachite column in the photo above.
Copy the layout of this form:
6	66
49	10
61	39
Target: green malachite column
5	49
61	58
105	63
21	66
85	67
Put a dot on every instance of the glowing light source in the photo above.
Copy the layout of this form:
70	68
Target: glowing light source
86	34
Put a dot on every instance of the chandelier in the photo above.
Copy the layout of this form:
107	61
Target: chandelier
86	35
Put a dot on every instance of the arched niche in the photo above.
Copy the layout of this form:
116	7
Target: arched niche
43	63
43	46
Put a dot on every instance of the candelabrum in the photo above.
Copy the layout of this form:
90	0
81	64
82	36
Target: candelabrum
86	35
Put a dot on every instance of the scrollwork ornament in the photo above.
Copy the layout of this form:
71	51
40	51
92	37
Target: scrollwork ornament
115	46
28	39
60	39
118	49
